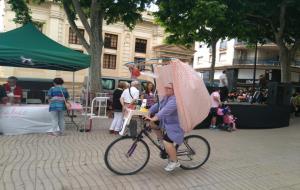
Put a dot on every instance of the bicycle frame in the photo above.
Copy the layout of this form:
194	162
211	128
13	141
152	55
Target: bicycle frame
144	131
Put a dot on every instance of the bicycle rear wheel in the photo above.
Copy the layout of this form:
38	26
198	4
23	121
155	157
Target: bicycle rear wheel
193	152
126	156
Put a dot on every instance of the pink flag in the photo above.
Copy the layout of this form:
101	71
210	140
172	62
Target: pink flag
192	97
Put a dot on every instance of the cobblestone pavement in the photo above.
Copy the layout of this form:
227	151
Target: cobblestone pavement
246	159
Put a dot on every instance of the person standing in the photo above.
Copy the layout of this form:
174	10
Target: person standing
3	96
215	104
116	124
223	86
130	95
13	91
57	95
149	95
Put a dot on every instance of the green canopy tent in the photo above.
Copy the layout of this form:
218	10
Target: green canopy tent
28	47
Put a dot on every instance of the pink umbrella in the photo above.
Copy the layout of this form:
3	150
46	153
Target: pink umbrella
192	97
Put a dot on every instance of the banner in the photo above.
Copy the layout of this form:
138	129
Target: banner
25	119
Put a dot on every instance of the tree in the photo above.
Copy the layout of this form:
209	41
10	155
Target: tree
277	21
188	21
92	14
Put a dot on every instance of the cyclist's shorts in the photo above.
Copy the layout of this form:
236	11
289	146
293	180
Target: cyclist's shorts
166	138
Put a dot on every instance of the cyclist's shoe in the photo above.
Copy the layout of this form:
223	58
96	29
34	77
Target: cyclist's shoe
163	154
172	165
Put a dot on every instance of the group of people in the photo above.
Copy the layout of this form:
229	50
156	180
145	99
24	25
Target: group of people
10	92
219	110
163	116
219	96
248	95
127	95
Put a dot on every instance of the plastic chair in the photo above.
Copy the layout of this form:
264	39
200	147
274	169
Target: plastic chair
97	110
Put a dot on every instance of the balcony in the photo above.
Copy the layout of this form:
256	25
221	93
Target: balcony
268	62
244	45
296	63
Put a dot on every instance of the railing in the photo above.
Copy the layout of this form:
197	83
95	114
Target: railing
270	62
242	43
297	63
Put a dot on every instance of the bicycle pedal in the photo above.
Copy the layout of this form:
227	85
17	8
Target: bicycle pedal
163	155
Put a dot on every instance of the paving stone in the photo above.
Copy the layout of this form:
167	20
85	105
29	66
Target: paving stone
245	159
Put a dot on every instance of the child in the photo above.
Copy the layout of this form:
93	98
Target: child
228	119
57	96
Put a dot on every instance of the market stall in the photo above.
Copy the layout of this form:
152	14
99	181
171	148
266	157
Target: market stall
28	47
22	119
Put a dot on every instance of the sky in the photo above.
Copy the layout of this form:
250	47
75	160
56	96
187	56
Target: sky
152	8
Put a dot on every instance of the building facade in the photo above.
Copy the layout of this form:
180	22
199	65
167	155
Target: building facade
121	45
238	58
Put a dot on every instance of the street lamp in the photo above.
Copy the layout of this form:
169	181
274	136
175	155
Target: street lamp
254	69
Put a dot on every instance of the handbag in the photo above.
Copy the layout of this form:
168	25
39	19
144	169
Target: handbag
67	104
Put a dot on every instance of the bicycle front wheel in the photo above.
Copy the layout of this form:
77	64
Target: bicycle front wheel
193	152
126	156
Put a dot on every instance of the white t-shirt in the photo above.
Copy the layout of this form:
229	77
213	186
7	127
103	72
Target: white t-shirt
223	80
214	103
135	93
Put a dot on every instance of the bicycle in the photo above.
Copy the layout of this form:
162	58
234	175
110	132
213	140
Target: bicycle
129	155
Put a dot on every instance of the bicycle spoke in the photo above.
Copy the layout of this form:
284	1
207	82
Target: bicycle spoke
126	156
194	152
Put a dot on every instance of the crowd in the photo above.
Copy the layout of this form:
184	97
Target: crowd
248	95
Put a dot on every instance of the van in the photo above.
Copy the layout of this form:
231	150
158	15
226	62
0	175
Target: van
109	84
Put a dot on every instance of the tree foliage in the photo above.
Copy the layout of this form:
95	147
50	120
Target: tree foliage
277	21
22	11
188	21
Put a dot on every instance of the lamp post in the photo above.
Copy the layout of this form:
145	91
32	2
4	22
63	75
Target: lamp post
254	69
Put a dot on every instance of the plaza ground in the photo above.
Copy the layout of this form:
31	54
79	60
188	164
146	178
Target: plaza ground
242	160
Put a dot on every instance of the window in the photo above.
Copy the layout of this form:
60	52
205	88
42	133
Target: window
108	84
222	57
109	61
111	41
38	25
140	45
200	59
138	60
73	39
223	45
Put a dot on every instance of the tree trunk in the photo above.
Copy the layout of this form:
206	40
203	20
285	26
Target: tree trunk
213	61
95	67
285	62
96	42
